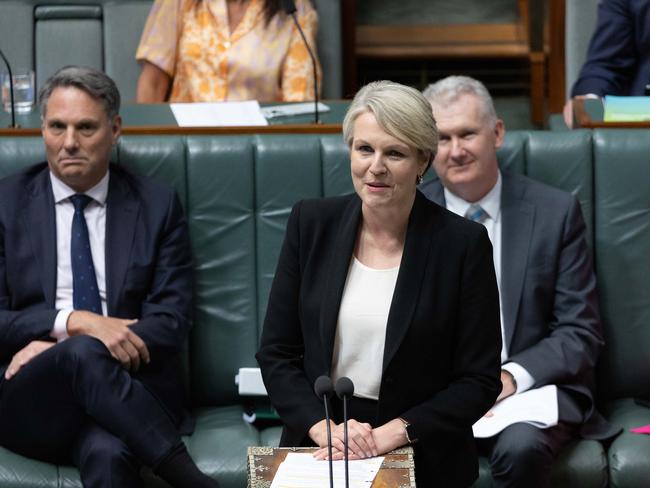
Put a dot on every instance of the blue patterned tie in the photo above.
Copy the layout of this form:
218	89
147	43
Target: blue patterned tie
476	213
85	293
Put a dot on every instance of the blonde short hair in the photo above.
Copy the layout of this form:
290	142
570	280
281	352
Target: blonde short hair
400	111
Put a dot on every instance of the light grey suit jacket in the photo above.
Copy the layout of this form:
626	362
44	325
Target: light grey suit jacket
550	305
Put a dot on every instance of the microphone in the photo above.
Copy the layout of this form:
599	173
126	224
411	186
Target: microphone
323	388
11	91
344	389
289	8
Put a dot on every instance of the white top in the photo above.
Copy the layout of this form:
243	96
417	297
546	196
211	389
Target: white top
491	203
95	213
361	328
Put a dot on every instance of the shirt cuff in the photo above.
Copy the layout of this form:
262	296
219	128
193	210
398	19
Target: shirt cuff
522	377
60	329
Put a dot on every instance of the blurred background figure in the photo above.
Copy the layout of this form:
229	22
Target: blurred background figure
618	59
218	50
393	291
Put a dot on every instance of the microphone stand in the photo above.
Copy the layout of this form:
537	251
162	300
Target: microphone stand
345	388
290	9
11	91
323	389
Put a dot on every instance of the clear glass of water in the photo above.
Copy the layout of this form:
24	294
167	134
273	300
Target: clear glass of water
23	91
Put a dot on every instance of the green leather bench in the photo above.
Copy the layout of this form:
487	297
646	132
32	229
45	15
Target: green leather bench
238	190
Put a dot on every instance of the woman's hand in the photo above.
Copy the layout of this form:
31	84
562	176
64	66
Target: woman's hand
384	439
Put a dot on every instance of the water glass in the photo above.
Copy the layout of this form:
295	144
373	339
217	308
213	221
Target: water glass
23	91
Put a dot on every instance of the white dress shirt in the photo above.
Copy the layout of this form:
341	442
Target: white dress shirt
95	213
491	203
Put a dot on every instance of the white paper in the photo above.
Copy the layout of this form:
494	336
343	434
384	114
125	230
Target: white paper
537	407
219	114
301	470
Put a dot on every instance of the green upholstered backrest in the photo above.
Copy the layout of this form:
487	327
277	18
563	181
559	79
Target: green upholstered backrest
622	231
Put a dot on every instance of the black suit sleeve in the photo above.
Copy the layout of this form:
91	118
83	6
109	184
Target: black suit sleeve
282	345
473	381
575	339
166	311
19	328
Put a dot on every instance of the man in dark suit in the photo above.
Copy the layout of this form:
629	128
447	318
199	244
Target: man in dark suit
618	59
549	312
95	300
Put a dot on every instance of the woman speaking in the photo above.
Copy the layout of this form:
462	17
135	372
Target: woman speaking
392	291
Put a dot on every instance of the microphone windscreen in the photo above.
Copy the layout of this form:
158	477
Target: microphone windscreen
323	386
344	387
288	6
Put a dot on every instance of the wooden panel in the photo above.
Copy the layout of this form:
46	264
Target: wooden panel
556	56
462	40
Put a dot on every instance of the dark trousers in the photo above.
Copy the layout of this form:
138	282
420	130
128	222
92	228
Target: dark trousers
75	403
522	454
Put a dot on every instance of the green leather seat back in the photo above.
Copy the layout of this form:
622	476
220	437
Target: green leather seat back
563	160
221	212
18	152
67	34
622	232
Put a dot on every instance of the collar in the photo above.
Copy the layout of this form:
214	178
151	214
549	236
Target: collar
62	192
491	202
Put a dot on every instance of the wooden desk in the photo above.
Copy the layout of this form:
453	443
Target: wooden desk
397	470
588	113
157	119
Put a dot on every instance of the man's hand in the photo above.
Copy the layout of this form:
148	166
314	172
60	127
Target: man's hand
25	355
123	344
508	385
508	388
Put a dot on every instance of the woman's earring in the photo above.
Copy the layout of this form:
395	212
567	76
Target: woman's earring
420	178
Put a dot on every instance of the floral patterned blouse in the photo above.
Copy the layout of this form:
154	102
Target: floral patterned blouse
191	41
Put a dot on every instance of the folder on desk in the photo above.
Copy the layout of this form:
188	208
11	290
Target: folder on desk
626	109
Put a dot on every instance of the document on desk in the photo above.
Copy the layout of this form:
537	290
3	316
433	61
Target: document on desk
537	407
218	114
301	470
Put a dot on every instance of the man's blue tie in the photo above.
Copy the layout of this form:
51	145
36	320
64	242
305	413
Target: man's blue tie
85	293
476	213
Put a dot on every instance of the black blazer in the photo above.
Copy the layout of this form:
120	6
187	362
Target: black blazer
551	318
148	270
443	340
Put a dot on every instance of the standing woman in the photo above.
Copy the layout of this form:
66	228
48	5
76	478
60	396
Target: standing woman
218	50
393	291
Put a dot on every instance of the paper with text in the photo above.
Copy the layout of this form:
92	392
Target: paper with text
301	470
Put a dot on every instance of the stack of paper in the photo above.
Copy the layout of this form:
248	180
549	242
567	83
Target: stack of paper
301	470
537	407
221	114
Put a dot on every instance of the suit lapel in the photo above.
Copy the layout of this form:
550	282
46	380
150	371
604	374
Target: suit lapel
40	224
436	193
517	217
418	243
339	264
121	217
